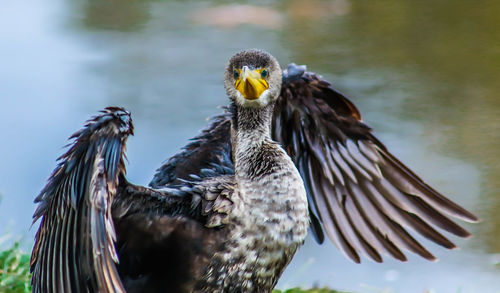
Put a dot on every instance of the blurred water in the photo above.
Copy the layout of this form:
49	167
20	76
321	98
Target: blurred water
424	74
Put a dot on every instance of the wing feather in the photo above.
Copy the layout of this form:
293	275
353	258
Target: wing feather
389	227
74	249
211	150
313	205
406	180
337	209
408	219
356	220
363	196
331	225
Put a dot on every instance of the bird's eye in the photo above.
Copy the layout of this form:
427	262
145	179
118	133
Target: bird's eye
236	74
264	73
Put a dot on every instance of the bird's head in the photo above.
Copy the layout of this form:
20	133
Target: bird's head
253	78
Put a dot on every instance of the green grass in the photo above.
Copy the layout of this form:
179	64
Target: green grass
14	270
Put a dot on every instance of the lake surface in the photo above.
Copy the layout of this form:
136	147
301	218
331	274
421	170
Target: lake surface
425	75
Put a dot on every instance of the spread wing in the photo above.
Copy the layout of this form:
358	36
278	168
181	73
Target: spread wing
363	197
74	247
99	233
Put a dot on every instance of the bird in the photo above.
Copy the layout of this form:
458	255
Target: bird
227	213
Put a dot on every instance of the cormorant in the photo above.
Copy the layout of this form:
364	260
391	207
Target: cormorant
228	212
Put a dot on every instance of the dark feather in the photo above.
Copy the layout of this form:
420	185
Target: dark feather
87	196
211	150
364	197
74	248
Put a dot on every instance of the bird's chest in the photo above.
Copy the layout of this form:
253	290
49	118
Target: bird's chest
267	225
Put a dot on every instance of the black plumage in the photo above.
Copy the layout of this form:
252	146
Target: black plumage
359	194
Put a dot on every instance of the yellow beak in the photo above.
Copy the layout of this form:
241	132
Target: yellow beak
250	83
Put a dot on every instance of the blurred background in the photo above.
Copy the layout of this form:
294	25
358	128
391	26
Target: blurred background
425	75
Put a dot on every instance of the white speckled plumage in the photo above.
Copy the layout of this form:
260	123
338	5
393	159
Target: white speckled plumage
266	225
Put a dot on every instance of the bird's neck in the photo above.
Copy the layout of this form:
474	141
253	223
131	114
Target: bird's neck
251	139
270	207
251	125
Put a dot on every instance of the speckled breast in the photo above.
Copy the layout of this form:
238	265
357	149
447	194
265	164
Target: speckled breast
267	226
